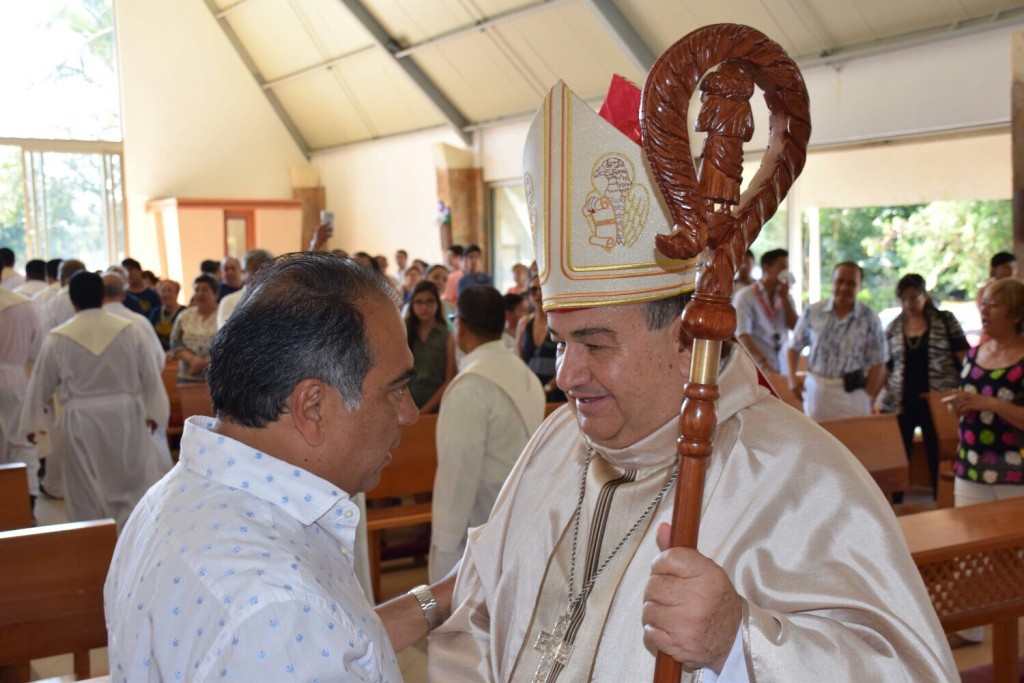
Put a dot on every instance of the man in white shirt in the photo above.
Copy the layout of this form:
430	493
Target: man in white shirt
35	279
238	565
113	302
20	338
765	312
59	308
9	278
252	262
488	413
111	394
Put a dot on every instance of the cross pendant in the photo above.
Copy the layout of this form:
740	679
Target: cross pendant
554	649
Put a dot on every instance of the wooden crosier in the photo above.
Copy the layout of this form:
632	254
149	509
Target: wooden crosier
712	220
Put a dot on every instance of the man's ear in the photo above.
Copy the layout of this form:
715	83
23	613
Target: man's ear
684	348
305	405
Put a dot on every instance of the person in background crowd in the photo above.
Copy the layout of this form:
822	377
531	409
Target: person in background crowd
194	329
151	279
364	259
59	308
211	268
423	265
382	264
21	337
412	277
164	316
846	365
42	299
253	260
401	263
490	410
926	350
516	308
111	395
141	298
35	279
536	347
9	278
521	275
232	282
744	274
1000	266
765	312
439	276
453	259
472	265
432	346
990	403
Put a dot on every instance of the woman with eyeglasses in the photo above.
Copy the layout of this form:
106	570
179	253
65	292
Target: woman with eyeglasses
432	346
927	347
535	345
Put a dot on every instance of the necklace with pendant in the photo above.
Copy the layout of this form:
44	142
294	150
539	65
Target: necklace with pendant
554	646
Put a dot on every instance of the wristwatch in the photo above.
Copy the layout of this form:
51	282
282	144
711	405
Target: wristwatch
431	612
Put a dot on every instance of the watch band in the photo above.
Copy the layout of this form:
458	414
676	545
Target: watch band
431	612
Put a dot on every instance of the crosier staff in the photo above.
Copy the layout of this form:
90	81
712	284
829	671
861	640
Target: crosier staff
712	219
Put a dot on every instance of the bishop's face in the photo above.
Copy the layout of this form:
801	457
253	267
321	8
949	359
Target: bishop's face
623	381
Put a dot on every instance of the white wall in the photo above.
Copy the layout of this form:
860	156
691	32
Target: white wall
195	122
384	194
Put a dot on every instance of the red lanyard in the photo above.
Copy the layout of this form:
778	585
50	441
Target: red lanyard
769	309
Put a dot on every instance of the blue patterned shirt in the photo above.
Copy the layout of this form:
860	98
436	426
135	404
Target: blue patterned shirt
839	346
237	566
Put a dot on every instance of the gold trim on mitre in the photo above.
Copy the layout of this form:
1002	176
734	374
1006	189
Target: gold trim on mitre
594	211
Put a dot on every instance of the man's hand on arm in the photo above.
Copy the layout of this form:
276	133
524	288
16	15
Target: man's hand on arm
403	618
691	610
796	383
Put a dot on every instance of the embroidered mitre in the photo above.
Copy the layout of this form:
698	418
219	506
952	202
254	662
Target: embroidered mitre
595	209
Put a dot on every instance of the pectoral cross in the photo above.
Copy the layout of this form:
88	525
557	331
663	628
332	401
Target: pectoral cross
554	649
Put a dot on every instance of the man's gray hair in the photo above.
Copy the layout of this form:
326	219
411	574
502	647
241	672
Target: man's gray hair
254	259
660	313
302	317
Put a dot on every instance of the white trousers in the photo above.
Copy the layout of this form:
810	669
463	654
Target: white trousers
825	399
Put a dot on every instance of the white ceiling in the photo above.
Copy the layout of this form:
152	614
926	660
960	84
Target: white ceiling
342	71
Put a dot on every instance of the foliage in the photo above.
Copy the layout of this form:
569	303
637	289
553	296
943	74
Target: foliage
947	242
12	203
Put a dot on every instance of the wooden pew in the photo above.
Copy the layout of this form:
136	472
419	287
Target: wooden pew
972	562
195	399
946	426
170	377
15	508
411	472
51	600
875	441
781	385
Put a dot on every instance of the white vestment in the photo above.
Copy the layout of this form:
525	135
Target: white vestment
20	338
29	288
488	413
105	379
59	309
156	350
227	306
830	591
10	278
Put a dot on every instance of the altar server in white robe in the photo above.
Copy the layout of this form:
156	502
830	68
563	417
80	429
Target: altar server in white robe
801	571
111	393
59	308
20	338
488	413
113	303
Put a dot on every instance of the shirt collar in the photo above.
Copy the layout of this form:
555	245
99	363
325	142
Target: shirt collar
291	489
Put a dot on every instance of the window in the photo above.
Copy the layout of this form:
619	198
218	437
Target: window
511	233
61	185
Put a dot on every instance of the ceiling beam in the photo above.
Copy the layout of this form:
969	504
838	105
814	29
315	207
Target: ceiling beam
254	70
481	25
411	69
317	67
627	37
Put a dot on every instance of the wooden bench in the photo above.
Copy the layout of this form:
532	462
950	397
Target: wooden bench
875	441
195	399
15	508
411	472
947	425
176	424
781	385
51	602
972	562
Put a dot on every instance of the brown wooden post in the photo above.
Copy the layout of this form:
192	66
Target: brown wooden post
712	220
1017	137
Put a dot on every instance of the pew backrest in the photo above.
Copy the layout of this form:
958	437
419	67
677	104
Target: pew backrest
413	464
15	508
195	399
875	441
51	600
946	423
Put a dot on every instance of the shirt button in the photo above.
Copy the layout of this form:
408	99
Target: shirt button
348	514
344	551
